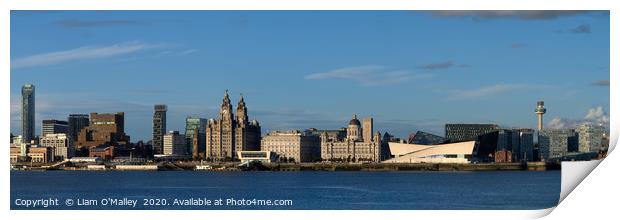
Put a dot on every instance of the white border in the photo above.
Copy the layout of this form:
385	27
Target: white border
590	204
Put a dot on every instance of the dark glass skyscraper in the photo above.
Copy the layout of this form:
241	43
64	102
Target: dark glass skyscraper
76	123
27	113
159	128
52	126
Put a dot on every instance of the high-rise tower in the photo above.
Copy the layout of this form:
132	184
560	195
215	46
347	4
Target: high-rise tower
159	128
76	123
27	113
540	111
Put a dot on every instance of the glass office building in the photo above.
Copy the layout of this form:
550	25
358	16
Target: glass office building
27	113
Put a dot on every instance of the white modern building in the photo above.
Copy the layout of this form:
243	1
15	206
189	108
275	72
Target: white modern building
262	156
460	152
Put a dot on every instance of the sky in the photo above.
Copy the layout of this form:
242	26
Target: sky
409	70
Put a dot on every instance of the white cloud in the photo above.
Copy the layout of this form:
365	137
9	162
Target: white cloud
595	115
561	123
81	53
369	75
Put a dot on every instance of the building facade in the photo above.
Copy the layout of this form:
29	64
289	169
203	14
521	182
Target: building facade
556	143
353	148
61	144
293	145
334	135
35	154
526	146
195	136
518	144
467	132
590	138
460	152
104	129
174	144
159	128
229	133
76	123
103	152
28	113
53	126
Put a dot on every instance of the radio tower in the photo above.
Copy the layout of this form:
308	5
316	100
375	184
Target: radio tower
540	111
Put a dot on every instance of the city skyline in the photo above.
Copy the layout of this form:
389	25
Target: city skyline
398	67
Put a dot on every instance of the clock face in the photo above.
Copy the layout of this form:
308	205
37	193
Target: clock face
225	111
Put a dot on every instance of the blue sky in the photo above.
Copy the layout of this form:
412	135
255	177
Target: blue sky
410	70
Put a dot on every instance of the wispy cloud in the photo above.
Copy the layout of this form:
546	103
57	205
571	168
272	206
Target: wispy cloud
434	66
443	65
601	83
513	14
581	29
81	53
596	115
369	75
188	51
517	45
76	23
492	91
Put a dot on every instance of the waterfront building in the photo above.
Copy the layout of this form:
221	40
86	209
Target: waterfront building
53	126
104	129
28	113
460	152
261	156
503	156
556	143
526	145
14	155
36	154
467	132
61	145
40	154
103	152
229	133
518	144
293	145
76	123
195	136
159	128
590	138
424	138
174	143
16	141
353	148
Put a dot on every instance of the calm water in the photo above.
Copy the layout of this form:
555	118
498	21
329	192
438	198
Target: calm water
306	190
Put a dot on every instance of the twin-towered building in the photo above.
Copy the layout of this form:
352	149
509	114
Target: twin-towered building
230	133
